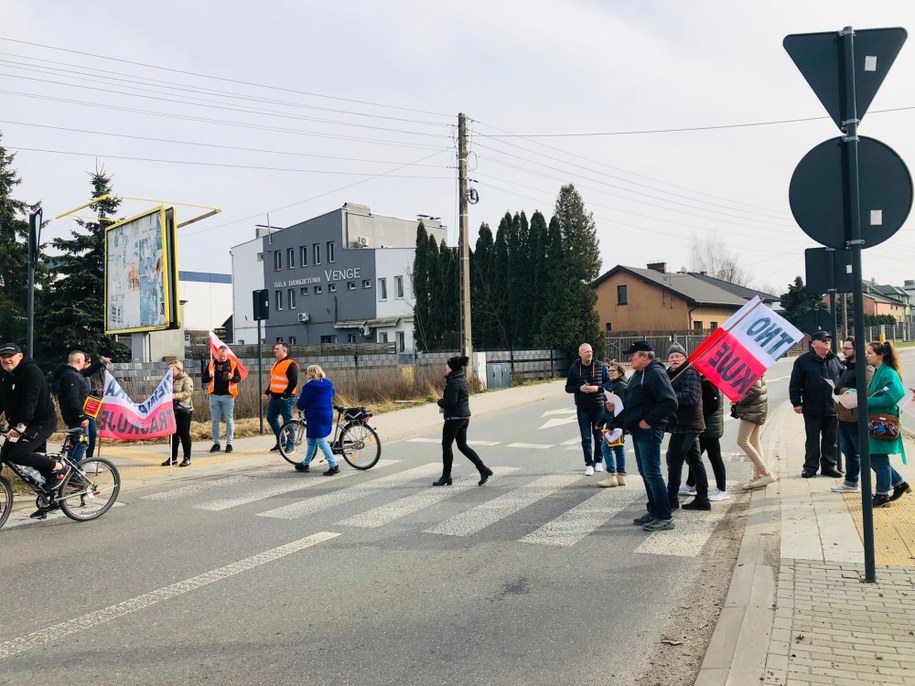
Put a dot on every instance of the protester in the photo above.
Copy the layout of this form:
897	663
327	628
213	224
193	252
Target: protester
587	379
223	376
752	410
848	420
649	401
284	377
884	391
96	382
684	427
615	456
455	404
72	388
710	443
316	401
182	402
811	396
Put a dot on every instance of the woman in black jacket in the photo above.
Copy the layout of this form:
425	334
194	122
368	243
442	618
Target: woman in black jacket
455	405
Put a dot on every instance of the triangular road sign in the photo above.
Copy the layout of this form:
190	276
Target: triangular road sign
821	60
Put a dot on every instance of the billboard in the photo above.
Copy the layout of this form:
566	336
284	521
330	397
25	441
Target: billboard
141	273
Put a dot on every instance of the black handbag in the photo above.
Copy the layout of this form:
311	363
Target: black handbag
181	408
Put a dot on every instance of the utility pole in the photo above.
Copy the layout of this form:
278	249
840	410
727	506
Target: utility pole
464	246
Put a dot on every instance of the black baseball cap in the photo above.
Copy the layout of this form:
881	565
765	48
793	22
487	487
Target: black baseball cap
10	349
818	336
638	347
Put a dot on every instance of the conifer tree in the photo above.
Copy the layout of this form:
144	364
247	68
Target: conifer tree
484	319
420	276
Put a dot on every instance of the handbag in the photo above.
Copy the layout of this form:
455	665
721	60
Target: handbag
883	427
181	408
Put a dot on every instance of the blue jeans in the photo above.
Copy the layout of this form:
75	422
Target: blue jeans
887	476
279	407
589	421
223	407
848	444
93	434
647	446
614	458
313	445
79	452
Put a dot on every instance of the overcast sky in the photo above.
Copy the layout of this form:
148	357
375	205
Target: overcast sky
293	108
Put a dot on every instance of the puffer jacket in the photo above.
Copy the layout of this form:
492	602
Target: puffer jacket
713	409
618	388
456	399
183	388
754	405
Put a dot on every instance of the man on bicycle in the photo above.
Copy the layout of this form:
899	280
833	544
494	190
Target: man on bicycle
72	390
26	401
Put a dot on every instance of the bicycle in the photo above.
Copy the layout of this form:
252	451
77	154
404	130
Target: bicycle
88	491
353	438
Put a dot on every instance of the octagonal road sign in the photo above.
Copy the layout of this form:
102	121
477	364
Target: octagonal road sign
817	192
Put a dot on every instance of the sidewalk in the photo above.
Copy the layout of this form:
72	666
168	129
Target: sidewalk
798	612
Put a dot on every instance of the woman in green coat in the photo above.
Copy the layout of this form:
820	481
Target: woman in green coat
883	393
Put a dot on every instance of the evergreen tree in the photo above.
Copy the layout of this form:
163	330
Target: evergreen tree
74	314
797	300
485	326
420	276
579	235
498	280
537	279
449	276
519	303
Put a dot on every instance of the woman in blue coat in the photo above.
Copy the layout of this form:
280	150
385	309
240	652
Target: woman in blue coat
883	393
316	400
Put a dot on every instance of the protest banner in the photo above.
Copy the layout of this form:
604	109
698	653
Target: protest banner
216	343
736	354
123	419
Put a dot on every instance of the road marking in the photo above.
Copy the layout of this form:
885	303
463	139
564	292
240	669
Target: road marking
572	441
535	446
477	519
564	411
425	440
570	527
692	530
52	516
195	488
482	442
93	619
558	422
305	507
295	482
385	514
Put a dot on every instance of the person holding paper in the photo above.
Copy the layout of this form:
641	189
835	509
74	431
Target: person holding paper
615	456
884	391
588	379
848	420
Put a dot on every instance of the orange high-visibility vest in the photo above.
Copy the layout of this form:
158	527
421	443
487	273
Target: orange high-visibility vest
278	379
233	387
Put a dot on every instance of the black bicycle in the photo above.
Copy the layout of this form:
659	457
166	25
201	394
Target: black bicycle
353	438
88	491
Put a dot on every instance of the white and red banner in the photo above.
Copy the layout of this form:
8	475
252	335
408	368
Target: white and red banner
123	419
743	348
215	344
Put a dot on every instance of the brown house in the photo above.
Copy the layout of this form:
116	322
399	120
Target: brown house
653	300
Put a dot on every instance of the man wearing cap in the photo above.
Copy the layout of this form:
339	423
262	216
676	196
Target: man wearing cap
811	396
587	379
26	401
649	401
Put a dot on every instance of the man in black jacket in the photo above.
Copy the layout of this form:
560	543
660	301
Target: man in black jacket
73	388
811	396
649	401
588	379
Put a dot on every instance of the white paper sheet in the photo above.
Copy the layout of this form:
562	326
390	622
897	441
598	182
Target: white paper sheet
617	402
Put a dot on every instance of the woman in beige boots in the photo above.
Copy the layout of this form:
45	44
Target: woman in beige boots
752	410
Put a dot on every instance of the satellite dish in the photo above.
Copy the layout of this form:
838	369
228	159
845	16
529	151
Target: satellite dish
365	330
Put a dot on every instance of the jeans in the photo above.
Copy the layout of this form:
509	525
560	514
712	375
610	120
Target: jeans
848	444
223	407
820	446
456	429
279	407
589	421
684	447
647	446
93	434
712	448
614	458
80	451
313	445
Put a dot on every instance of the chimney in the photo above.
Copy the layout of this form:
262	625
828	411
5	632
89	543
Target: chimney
657	266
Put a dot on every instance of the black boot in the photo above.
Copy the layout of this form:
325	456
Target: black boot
171	462
484	476
881	500
443	481
698	503
900	490
186	462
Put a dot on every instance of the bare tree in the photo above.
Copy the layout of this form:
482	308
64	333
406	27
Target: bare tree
710	255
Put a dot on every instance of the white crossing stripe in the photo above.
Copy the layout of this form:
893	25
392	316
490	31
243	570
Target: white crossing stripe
557	422
482	442
295	482
570	527
477	519
198	487
385	514
567	410
81	624
12	523
425	440
572	441
304	507
535	446
691	531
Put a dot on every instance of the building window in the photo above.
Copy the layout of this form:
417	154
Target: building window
608	327
332	288
277	261
398	286
318	290
279	300
303	290
383	337
279	339
401	342
697	326
350	285
290	258
622	295
328	339
290	296
292	340
260	257
366	283
382	289
316	253
351	338
713	325
303	255
331	253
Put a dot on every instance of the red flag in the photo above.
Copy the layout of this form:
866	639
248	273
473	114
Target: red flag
215	344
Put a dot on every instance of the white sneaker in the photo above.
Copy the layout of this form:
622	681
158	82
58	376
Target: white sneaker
718	494
686	490
599	467
845	488
589	471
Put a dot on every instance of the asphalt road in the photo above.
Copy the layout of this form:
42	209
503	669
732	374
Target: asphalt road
269	576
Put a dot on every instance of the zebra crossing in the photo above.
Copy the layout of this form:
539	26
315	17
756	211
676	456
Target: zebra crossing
586	509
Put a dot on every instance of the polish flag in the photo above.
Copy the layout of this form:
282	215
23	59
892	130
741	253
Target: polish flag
215	344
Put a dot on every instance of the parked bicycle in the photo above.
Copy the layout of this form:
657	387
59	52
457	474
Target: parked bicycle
88	491
353	438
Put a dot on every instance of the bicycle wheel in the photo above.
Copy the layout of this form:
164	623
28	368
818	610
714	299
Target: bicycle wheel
292	434
6	501
360	445
90	490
